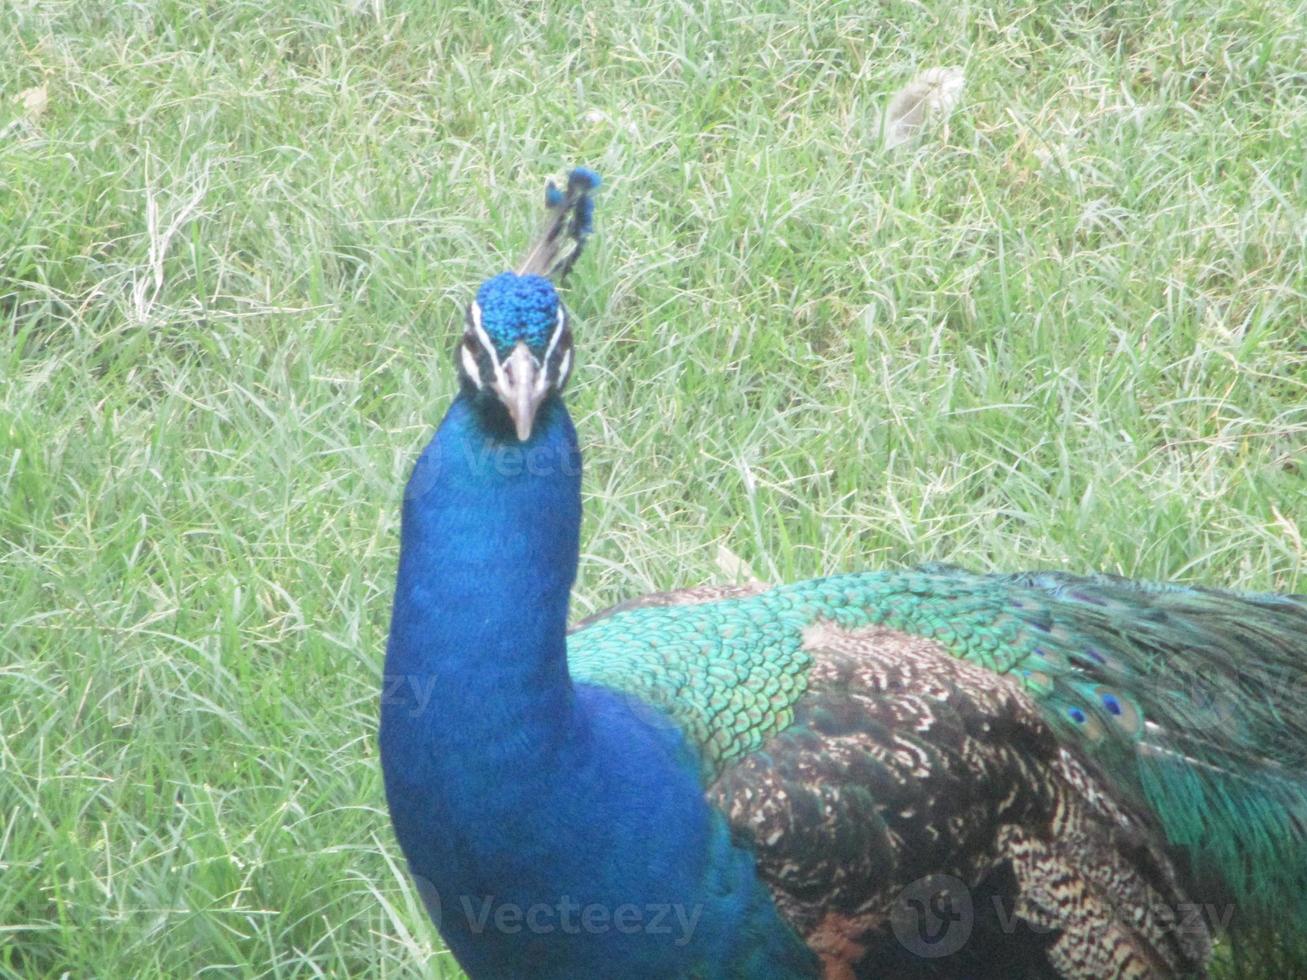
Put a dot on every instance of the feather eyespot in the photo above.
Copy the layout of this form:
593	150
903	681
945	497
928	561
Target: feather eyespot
1124	712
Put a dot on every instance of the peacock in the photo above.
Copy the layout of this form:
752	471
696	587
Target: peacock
926	772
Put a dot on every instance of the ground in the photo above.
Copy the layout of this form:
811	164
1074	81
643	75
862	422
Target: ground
1067	328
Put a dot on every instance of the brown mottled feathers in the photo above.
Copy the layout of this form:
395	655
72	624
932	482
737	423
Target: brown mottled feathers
679	597
909	775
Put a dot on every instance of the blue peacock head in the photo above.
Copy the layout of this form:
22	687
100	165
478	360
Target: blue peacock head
516	350
517	346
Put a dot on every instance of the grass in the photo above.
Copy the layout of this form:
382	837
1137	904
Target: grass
1069	330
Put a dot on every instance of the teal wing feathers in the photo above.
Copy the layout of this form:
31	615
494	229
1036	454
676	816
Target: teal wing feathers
1192	702
717	659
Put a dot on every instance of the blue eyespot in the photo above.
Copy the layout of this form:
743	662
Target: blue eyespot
1076	715
1111	703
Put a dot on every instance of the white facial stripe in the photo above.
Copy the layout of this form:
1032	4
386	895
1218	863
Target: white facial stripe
470	365
469	360
564	366
557	335
484	337
486	343
481	334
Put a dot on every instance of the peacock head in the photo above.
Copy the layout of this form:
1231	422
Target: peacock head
516	350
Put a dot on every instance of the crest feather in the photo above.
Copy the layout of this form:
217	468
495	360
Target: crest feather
570	221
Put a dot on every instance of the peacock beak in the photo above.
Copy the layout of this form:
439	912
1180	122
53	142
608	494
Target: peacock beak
521	385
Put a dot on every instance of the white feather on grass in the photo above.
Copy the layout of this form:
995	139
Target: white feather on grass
932	95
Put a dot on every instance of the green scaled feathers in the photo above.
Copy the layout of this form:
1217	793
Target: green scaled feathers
728	672
1193	702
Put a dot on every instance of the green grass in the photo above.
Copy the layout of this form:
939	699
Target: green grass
1070	330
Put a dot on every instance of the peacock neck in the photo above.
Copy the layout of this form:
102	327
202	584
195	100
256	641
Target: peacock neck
509	789
491	527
